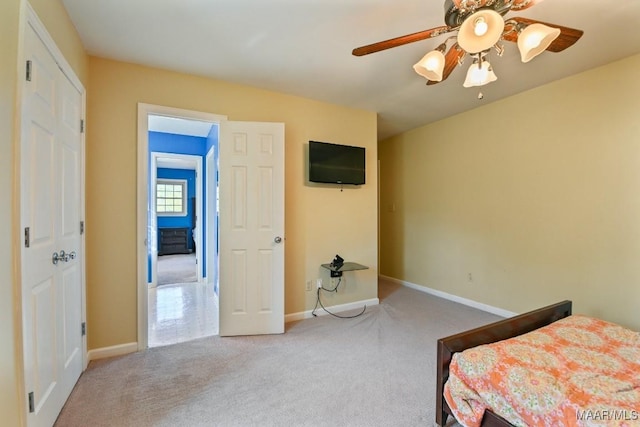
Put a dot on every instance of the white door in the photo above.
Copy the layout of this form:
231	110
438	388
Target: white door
251	264
51	200
212	218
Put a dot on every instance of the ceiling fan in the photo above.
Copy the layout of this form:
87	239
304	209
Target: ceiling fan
480	26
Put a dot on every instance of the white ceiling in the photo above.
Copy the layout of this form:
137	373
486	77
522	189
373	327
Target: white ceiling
175	162
303	47
179	126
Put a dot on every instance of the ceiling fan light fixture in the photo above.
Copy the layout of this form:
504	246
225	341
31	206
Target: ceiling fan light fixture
480	31
534	39
431	65
479	27
479	74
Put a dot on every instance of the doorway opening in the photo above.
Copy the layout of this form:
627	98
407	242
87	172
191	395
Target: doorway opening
182	305
179	301
176	194
251	226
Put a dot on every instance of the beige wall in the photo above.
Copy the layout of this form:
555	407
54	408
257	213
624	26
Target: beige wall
312	213
536	196
9	318
60	28
320	221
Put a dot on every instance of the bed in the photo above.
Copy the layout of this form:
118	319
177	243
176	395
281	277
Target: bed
489	382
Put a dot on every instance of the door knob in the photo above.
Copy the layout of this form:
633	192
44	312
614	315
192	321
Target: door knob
57	257
62	256
278	239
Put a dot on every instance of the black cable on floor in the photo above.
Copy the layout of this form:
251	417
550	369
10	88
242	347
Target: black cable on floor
322	288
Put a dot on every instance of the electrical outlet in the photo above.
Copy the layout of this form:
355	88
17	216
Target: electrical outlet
309	285
319	283
470	278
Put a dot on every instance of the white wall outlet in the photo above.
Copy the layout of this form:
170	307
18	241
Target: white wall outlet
309	285
319	283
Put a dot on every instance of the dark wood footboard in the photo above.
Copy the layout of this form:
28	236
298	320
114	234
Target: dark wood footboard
492	332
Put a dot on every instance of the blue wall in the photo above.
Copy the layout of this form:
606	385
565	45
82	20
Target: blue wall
212	140
177	144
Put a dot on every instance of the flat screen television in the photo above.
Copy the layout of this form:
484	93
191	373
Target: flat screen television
336	164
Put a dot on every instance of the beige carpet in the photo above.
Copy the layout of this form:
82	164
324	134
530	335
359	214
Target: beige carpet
180	268
374	370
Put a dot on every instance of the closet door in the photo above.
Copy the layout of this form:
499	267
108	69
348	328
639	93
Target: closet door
50	162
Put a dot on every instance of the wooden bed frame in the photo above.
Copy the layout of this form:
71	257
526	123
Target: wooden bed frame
492	332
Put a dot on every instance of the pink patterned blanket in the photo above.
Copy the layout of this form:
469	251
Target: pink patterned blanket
578	371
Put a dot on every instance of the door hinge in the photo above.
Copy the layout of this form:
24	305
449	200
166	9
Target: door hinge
28	70
82	126
84	328
27	237
32	405
81	227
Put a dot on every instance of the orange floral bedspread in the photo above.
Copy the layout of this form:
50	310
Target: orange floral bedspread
578	371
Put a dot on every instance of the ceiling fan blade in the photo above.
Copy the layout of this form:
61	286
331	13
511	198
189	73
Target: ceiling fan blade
568	36
402	40
451	61
523	4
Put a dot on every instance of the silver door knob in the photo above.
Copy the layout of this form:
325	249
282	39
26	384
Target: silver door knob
278	239
62	256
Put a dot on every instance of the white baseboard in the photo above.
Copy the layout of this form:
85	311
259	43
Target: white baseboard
471	303
334	309
122	349
116	350
132	347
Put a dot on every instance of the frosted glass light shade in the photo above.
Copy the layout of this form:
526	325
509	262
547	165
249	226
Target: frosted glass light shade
480	31
479	76
431	66
534	39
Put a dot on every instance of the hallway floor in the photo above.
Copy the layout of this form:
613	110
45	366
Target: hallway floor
182	312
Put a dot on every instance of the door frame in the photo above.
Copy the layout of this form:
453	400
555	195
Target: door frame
29	18
143	203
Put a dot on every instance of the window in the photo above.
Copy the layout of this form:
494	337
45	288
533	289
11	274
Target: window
171	197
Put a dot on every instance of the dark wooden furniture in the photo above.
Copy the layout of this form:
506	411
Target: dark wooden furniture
173	241
492	332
